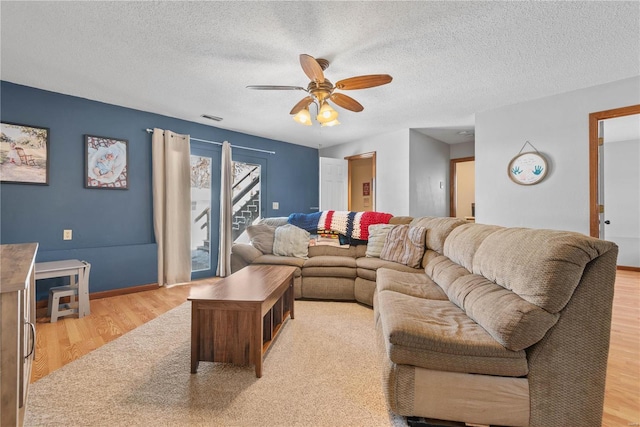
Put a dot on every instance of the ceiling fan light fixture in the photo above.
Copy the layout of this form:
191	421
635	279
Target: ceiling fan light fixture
320	89
326	113
331	123
303	117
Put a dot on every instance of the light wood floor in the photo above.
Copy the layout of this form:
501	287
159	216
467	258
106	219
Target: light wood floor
70	338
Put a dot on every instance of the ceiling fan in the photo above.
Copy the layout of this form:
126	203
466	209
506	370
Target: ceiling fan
321	90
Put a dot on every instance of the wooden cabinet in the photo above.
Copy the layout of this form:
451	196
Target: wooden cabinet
17	332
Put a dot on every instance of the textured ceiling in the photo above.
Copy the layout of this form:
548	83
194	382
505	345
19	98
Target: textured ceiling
448	60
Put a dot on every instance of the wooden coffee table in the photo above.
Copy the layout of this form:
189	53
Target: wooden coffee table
235	319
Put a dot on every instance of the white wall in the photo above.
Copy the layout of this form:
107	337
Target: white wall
462	149
392	167
428	176
558	126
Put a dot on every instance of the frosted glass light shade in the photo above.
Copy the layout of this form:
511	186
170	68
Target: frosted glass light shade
326	113
331	123
303	117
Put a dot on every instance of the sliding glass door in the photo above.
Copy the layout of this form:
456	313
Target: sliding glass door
205	209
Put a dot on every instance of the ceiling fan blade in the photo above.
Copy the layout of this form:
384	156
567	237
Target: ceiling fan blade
270	87
346	102
311	68
302	104
363	82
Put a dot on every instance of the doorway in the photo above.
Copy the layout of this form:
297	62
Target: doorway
613	212
361	192
462	188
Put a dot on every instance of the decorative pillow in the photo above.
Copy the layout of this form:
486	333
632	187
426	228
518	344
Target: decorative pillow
291	241
377	236
262	236
404	244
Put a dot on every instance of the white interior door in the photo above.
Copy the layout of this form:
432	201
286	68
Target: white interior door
601	177
333	184
620	184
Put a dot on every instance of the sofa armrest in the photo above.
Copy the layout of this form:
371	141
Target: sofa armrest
242	255
246	252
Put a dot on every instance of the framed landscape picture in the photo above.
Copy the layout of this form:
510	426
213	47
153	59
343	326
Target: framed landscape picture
106	163
24	154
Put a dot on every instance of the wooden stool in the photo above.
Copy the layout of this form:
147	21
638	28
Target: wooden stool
55	309
78	273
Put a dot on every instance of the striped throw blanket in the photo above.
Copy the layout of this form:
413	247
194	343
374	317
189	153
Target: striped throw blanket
354	225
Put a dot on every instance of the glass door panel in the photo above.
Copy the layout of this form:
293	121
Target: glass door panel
205	209
246	196
200	213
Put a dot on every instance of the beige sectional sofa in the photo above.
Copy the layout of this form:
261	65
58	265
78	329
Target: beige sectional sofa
499	326
329	272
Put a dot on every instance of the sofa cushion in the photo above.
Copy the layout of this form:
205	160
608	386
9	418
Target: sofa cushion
346	272
438	335
323	250
414	284
377	236
338	288
292	241
367	267
512	321
444	272
330	261
279	260
464	241
330	266
404	244
547	272
247	252
438	230
261	236
400	220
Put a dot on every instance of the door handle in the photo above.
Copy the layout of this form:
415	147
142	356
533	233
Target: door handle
607	222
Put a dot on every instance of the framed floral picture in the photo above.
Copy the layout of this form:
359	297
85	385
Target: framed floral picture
24	154
106	163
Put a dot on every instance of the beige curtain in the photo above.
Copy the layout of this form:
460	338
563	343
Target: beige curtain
226	238
172	205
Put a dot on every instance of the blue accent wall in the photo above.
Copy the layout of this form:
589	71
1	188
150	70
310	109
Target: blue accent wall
113	229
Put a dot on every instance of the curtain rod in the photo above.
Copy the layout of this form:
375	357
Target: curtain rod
220	143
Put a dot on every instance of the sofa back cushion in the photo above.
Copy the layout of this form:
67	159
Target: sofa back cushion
395	220
543	267
509	319
513	281
276	221
463	242
437	230
404	244
377	236
262	236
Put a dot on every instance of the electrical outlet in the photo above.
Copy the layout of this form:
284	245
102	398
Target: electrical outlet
275	206
67	235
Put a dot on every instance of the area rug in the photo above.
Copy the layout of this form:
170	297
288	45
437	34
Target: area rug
321	371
